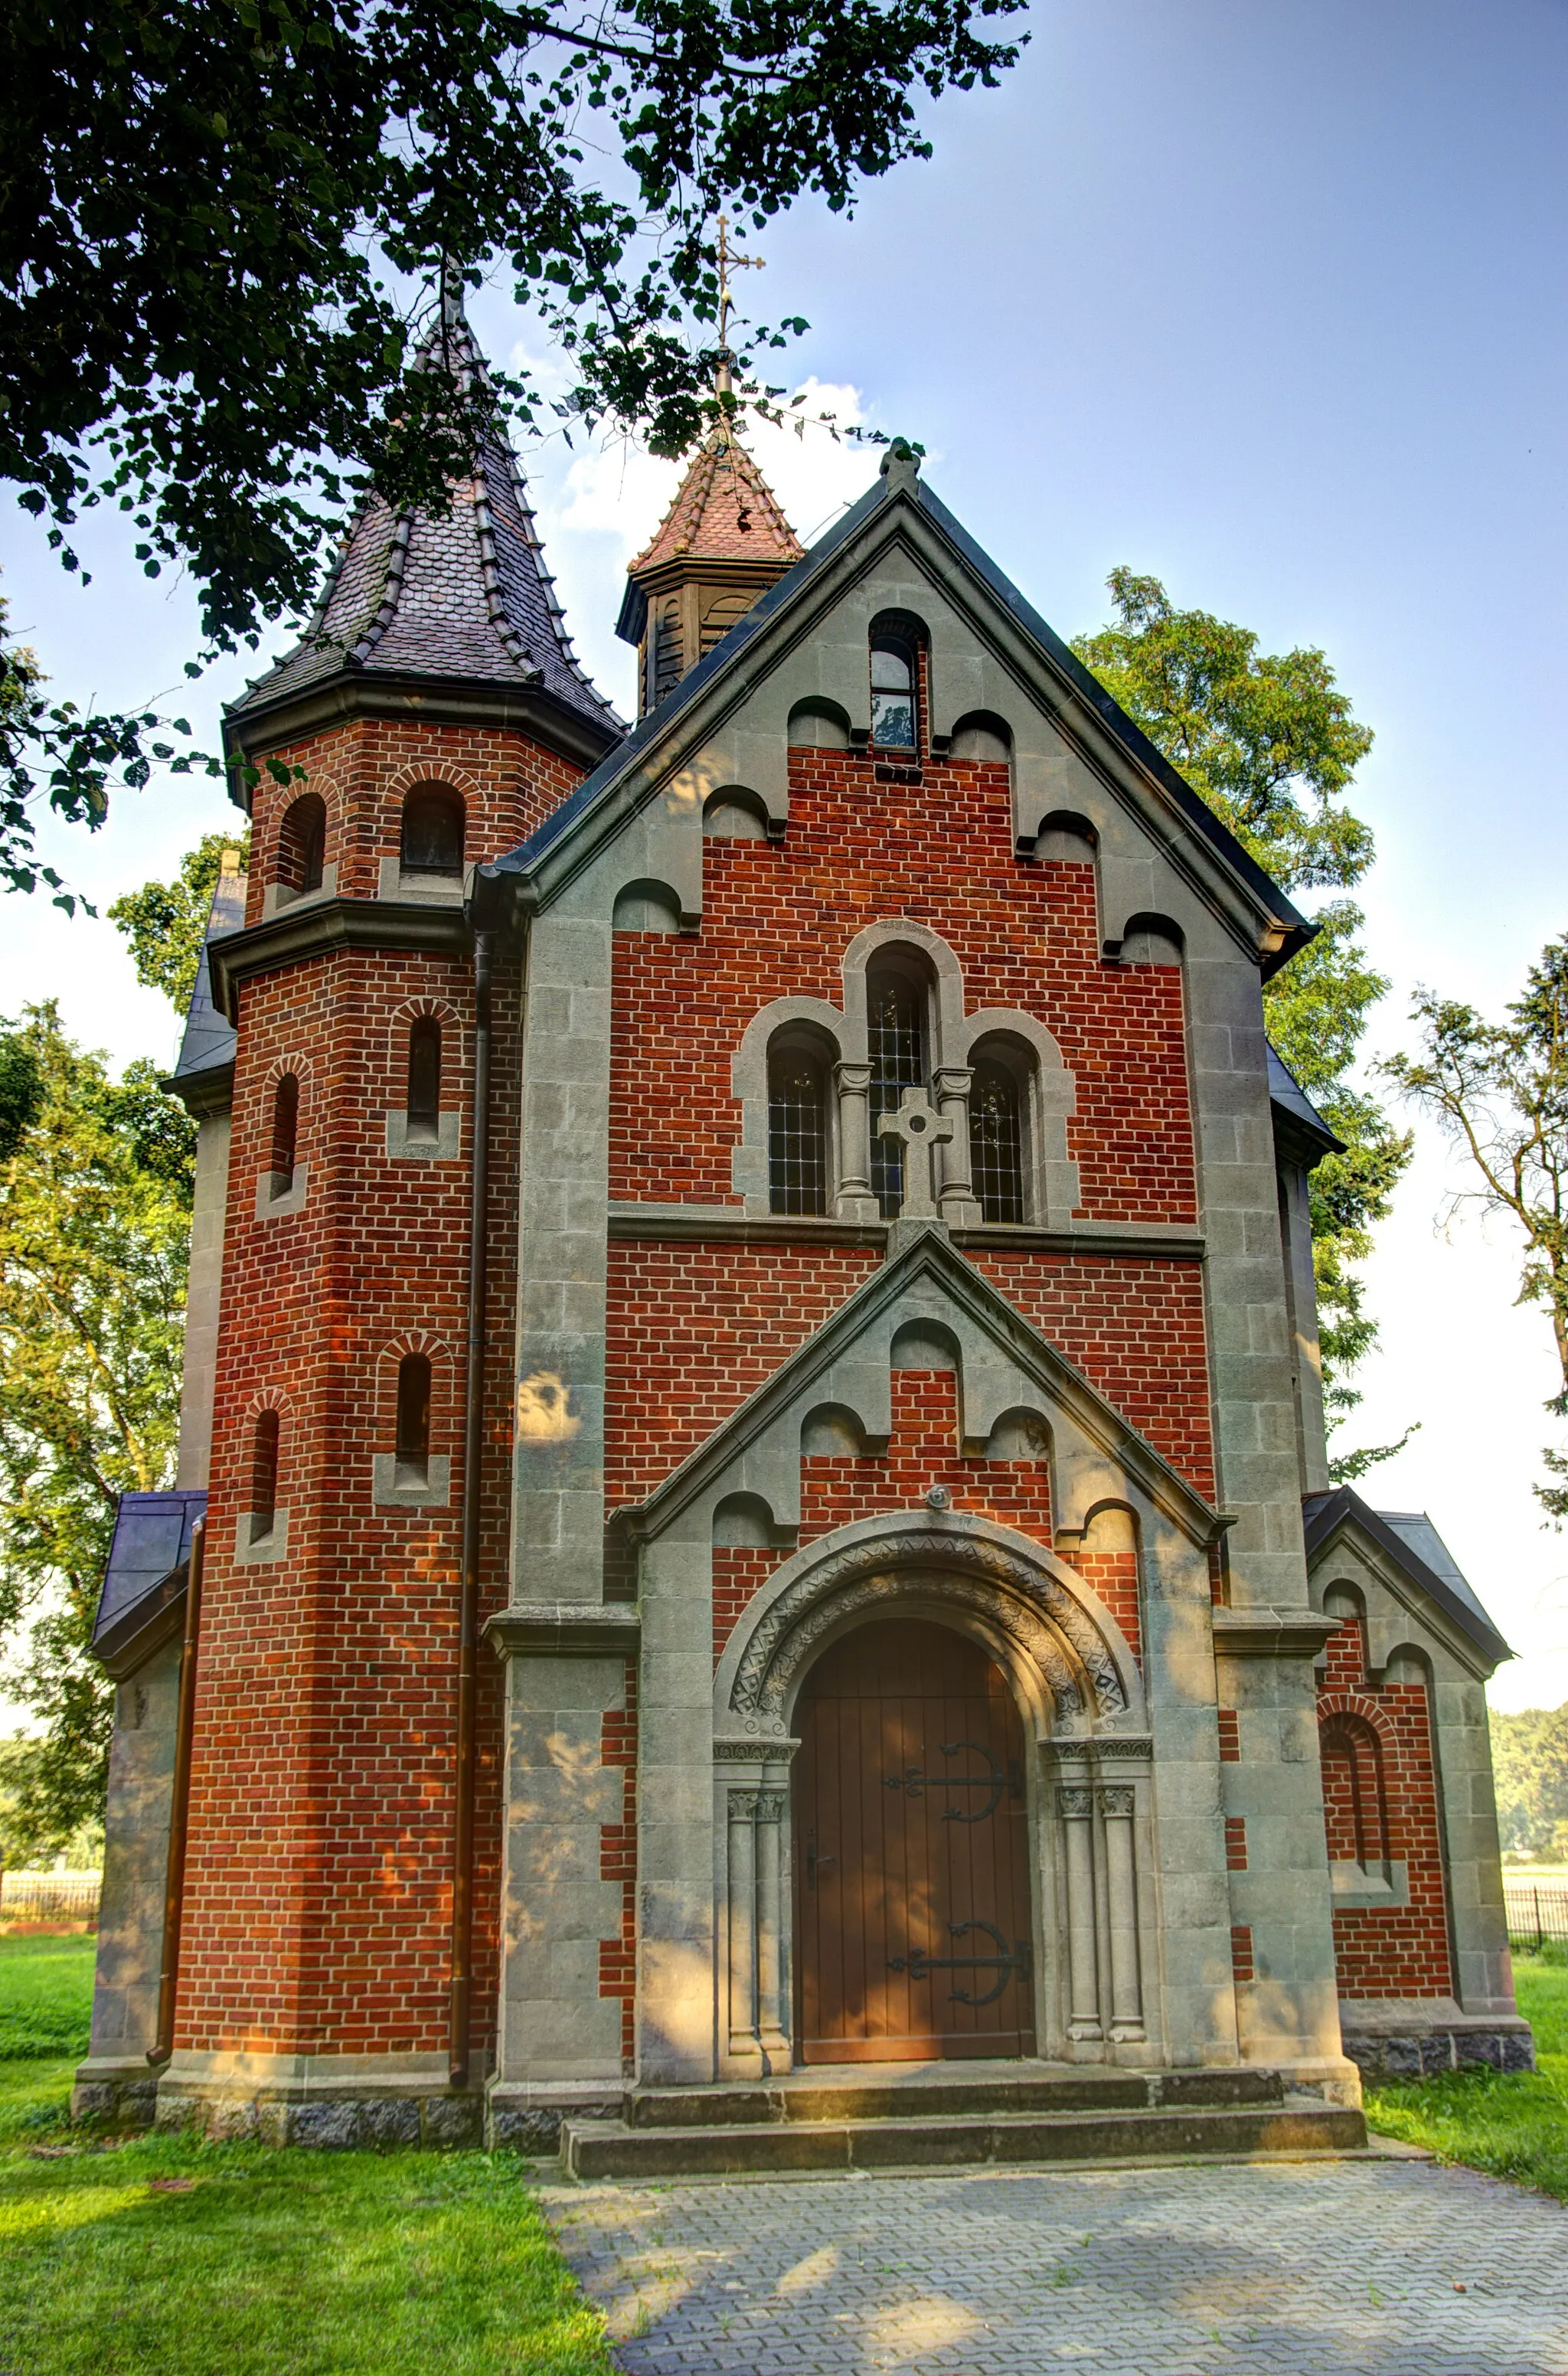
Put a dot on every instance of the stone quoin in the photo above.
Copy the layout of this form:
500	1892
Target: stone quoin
753	1492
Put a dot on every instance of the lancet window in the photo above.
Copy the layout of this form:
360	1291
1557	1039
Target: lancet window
796	1131
423	1117
285	1134
263	1476
895	1043
413	1466
996	1141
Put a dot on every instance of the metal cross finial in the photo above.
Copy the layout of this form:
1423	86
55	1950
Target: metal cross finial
729	259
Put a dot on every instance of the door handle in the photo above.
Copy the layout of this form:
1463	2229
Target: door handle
813	1860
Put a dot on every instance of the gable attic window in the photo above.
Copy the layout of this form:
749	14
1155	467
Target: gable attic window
433	833
894	725
423	1109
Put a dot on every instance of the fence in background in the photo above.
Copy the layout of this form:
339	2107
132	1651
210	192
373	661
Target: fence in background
50	1897
1537	1912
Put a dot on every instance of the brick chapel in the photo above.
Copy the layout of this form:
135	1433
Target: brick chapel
753	1547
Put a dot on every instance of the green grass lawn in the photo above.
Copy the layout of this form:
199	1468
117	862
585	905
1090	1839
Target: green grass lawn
168	2257
1514	2128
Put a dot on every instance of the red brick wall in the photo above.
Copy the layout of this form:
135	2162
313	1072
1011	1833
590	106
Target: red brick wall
693	1329
508	783
777	920
319	1883
618	1862
1385	1951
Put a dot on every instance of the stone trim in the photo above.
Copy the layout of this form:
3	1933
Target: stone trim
556	1629
271	1548
1414	2037
269	1207
276	897
1262	1633
319	928
693	1223
445	1147
434	1494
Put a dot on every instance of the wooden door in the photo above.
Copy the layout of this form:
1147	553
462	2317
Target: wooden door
911	1852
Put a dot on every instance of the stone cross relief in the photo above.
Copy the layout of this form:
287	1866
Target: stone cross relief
920	1128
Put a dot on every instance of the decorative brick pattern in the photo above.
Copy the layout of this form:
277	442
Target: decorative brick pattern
1236	1843
1241	1953
1229	1737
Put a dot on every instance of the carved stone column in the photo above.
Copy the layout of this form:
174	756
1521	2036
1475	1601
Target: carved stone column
1116	1806
855	1199
920	1128
759	1977
959	1208
1075	1807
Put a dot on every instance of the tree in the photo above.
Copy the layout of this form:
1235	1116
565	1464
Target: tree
1499	1091
226	227
1270	742
1529	1761
95	1202
166	924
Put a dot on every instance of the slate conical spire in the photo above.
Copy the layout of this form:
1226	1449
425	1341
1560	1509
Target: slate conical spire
465	599
724	541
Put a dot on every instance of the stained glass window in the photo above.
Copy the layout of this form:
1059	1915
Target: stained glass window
896	1030
797	1132
996	1143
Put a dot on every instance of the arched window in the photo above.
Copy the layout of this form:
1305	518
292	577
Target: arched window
895	723
285	1134
996	1141
896	1033
263	1476
796	1131
301	845
669	665
1354	1799
433	832
424	1120
413	1465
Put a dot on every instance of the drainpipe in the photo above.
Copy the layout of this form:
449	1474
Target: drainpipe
179	1807
460	2010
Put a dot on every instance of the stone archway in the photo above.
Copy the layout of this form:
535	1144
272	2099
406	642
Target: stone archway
1078	1694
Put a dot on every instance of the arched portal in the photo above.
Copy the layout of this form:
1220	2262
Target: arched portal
913	1920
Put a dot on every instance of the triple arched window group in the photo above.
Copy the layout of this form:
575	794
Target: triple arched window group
802	1106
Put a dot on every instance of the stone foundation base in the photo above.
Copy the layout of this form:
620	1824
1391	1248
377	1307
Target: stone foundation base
523	2116
1415	2038
329	2100
115	2092
1333	2079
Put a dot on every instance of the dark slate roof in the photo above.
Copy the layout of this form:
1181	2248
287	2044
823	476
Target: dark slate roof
727	653
152	1543
209	1040
1410	1538
1286	1093
468	596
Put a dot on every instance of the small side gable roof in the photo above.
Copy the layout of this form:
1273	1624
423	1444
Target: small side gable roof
593	795
931	1256
1410	1538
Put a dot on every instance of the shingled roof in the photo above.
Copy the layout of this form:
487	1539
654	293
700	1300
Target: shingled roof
467	595
724	510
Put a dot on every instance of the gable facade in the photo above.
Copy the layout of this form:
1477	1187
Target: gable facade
853	1201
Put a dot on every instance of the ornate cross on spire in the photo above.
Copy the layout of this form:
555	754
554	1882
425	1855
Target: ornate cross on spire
729	259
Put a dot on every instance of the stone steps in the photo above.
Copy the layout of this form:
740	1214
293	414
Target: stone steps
943	2122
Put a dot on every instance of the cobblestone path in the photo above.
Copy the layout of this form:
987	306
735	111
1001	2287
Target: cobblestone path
1376	2268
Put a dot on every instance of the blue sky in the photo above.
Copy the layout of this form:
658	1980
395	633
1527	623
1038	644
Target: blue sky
1267	300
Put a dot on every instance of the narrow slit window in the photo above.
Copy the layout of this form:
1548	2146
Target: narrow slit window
263	1476
996	1143
797	1132
425	1080
433	833
302	846
313	850
413	1465
896	1031
285	1134
893	705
